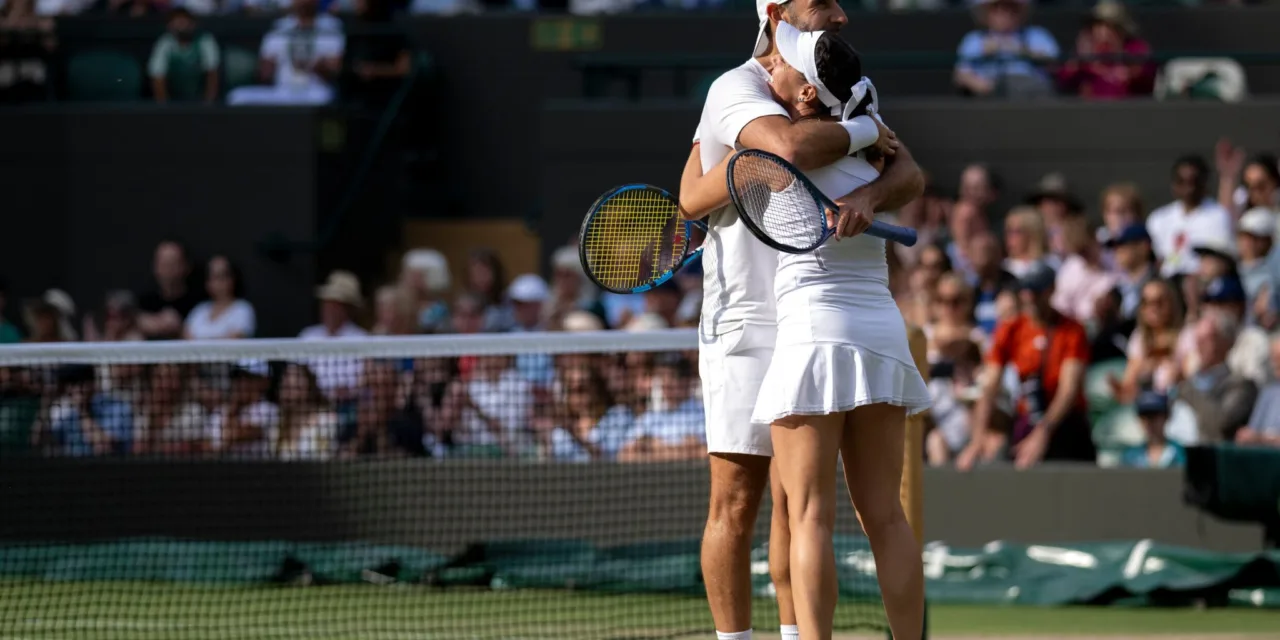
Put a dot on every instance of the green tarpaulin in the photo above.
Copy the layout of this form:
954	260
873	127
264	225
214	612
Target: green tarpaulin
1120	573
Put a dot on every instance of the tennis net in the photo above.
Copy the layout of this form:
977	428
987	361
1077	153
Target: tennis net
498	486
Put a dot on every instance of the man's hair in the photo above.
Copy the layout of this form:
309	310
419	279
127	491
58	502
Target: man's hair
1195	162
180	12
839	66
993	179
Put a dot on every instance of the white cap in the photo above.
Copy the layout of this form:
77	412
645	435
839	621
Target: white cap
567	258
762	12
647	322
528	288
432	265
1216	245
582	321
1258	221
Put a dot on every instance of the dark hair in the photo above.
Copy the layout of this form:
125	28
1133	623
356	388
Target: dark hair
1195	162
839	67
490	259
179	12
676	363
237	282
1269	164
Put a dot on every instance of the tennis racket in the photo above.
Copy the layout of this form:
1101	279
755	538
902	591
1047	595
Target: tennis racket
633	239
782	208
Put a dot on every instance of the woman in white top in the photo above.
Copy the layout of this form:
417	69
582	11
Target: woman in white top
308	427
226	314
842	379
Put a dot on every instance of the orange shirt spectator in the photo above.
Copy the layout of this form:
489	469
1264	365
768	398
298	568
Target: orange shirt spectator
1111	61
1036	352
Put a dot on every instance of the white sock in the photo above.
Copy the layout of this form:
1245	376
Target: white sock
740	635
790	632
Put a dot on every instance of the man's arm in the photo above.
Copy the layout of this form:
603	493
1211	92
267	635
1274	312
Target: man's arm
901	182
809	144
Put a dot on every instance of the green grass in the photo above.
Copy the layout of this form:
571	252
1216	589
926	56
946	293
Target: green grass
138	611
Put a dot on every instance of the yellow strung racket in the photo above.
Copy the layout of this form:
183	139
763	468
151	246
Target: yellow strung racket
633	239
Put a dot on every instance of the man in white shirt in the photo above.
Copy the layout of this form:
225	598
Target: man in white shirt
737	328
339	296
303	61
1190	216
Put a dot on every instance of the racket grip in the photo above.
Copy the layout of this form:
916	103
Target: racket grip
904	236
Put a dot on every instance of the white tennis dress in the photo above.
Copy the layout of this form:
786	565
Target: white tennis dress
842	342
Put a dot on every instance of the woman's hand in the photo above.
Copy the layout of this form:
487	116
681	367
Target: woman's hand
855	214
1032	449
887	144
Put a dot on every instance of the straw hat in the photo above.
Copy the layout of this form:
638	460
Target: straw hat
342	286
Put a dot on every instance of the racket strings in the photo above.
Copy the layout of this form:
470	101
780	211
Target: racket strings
635	236
777	203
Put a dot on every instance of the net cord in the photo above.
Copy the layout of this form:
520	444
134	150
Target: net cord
433	346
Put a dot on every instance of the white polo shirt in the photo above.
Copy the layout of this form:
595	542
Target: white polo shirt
1174	231
737	269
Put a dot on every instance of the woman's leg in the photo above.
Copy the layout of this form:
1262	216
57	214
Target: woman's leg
805	449
780	550
874	438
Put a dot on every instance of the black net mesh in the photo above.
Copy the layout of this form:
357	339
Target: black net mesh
536	486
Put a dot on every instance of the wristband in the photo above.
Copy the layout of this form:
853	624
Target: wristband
862	131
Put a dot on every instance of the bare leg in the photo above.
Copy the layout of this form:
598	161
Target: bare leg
737	484
780	550
873	454
806	448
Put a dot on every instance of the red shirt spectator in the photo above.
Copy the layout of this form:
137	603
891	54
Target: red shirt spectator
1111	60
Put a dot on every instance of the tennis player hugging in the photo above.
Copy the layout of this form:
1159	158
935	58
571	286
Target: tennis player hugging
841	379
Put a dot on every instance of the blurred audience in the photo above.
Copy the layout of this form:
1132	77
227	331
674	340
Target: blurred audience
1158	452
163	310
952	317
1263	427
1134	265
1218	401
1155	354
49	317
995	290
1244	185
1026	241
84	421
226	314
1255	235
954	386
393	312
1005	56
377	56
301	61
1192	215
1083	278
119	320
28	42
425	280
674	431
1121	204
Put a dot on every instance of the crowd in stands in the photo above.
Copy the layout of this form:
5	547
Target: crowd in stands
1105	325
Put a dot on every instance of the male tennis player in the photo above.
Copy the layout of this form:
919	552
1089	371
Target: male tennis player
738	325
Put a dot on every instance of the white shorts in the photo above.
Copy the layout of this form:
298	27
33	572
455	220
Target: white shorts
732	366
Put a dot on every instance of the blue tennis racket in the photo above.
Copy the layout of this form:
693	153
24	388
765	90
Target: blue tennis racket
633	239
782	208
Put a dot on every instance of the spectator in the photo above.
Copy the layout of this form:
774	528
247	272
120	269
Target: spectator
307	425
1083	278
424	281
980	186
587	425
119	320
664	302
248	423
378	59
952	318
1155	352
1158	452
49	317
175	419
468	314
570	290
953	385
1121	207
1049	352
1218	400
85	422
1056	204
675	432
184	62
1134	266
917	309
1025	241
486	279
164	309
1264	422
528	295
1109	329
27	46
1004	56
338	377
276	7
393	312
226	314
8	332
928	216
1111	61
1248	353
488	412
1190	215
302	61
995	289
967	221
1261	178
1255	233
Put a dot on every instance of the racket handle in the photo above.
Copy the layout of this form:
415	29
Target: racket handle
904	236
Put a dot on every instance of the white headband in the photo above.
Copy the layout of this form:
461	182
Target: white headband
796	47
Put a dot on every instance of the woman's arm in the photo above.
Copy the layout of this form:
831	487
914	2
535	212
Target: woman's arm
700	194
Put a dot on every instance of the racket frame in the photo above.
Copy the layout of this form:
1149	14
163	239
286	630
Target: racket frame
689	227
883	230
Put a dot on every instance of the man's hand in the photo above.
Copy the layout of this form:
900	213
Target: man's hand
855	215
887	144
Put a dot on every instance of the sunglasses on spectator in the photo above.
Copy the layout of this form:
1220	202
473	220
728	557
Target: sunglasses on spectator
1257	185
950	301
1160	300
